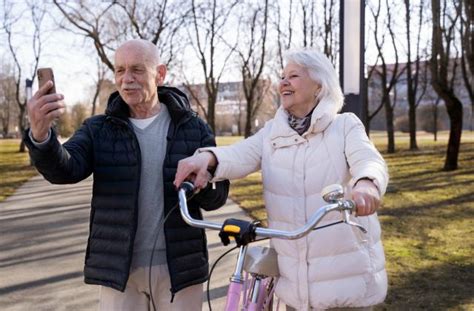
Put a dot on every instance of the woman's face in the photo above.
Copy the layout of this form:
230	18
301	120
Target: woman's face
297	90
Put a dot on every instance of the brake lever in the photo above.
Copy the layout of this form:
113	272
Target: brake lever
346	216
335	194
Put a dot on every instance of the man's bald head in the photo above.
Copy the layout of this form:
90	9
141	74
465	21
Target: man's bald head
148	49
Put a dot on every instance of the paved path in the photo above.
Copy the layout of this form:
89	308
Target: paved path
43	234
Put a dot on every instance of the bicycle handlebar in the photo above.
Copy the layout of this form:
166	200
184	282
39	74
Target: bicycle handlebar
334	197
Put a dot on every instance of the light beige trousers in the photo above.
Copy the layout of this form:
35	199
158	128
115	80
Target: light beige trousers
137	297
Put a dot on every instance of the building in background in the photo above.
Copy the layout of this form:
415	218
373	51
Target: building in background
231	105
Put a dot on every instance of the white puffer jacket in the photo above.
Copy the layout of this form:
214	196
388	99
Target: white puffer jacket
338	266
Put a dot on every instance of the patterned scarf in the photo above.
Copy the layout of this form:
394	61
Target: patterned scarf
300	125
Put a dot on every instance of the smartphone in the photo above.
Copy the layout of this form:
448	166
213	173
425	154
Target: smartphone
44	75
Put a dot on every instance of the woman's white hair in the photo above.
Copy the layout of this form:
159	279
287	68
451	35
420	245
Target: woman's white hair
320	70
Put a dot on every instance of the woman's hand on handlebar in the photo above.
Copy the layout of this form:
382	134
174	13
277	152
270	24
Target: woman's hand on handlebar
195	169
367	197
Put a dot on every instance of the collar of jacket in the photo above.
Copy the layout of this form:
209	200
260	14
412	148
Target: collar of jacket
282	135
175	100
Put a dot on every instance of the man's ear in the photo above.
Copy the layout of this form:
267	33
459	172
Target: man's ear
160	74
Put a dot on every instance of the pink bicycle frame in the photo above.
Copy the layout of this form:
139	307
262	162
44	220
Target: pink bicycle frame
233	296
235	291
236	283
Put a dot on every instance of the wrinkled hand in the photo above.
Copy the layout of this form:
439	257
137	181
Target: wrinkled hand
194	169
42	110
367	198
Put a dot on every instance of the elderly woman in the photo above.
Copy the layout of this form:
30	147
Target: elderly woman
306	147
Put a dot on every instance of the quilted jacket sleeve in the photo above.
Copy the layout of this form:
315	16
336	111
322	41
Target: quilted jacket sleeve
363	158
63	164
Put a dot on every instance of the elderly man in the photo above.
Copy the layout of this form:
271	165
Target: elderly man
133	151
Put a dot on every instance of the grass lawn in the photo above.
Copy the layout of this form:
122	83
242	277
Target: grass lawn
427	221
15	167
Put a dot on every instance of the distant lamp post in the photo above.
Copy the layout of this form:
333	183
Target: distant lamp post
28	94
28	88
352	55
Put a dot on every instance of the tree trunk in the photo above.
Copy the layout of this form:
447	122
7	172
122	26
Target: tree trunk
412	126
440	44
21	122
94	99
390	128
248	120
211	114
455	111
239	121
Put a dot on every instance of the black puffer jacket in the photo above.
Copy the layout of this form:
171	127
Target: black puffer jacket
106	146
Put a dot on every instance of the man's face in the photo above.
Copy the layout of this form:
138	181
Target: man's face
136	76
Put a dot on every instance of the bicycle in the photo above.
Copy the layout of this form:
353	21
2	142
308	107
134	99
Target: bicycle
260	263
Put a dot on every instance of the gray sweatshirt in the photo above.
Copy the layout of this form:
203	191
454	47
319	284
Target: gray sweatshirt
152	140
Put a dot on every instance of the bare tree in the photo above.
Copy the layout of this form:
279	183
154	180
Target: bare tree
7	98
284	31
388	75
208	26
467	49
370	115
195	91
37	14
367	101
330	39
92	22
442	68
413	69
435	108
158	22
307	10
252	54
109	24
311	31
101	72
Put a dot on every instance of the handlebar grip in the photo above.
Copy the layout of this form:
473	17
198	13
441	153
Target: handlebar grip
188	187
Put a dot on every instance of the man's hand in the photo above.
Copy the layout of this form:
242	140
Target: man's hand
195	169
366	197
42	110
